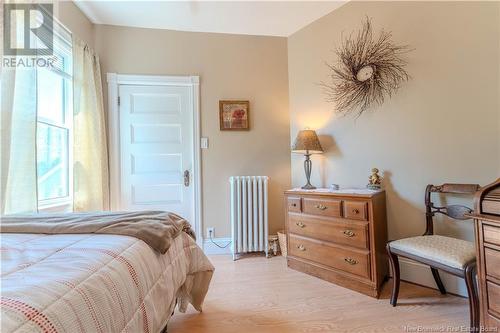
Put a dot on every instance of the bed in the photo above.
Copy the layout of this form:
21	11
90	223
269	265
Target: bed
97	282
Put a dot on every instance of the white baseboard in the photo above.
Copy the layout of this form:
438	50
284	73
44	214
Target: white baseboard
421	274
210	248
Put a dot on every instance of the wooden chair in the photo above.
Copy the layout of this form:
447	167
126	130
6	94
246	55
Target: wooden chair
454	256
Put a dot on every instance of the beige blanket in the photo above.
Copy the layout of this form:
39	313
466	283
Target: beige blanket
155	228
97	283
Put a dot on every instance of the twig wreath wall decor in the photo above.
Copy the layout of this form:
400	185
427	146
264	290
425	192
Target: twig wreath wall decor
368	71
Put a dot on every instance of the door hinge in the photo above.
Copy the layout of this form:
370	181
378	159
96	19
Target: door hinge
118	100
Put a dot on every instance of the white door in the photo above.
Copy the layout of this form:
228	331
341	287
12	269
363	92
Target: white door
156	149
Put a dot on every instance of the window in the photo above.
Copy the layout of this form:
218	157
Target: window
54	138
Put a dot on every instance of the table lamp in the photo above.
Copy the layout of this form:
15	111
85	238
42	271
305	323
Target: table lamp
307	143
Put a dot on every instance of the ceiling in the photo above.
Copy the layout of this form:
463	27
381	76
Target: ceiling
268	18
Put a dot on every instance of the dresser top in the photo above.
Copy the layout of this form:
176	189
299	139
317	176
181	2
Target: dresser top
358	192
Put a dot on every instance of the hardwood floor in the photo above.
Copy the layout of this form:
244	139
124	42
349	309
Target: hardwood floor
256	294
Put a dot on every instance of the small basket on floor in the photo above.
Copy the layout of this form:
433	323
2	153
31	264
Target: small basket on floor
282	241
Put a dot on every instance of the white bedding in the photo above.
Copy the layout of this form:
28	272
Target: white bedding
96	283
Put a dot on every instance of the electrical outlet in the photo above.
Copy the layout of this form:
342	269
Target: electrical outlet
210	232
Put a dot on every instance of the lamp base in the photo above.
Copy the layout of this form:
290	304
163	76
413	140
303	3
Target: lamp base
307	169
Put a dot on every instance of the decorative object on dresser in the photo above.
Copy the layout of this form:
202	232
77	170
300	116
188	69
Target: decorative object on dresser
307	143
487	223
374	180
454	256
334	187
339	236
234	115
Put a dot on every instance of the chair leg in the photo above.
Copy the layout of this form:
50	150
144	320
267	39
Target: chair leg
437	278
394	261
470	273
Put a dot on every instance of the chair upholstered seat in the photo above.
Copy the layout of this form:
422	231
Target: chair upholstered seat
454	256
440	249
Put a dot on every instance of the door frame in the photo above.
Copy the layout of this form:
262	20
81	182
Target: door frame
114	82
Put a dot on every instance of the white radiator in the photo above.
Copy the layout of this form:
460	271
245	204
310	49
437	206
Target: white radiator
249	224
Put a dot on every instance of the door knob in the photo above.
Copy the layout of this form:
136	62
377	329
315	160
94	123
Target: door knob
186	178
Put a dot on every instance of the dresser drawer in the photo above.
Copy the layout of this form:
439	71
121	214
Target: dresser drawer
493	291
294	204
356	210
491	234
351	261
492	262
347	233
324	207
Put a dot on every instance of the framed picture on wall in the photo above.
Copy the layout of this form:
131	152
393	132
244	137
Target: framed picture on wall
234	115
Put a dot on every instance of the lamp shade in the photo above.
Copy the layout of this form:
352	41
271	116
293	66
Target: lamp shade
307	142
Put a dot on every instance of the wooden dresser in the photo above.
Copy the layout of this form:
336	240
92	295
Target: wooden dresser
338	236
487	222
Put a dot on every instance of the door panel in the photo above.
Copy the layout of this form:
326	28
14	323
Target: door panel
156	133
156	147
157	163
162	103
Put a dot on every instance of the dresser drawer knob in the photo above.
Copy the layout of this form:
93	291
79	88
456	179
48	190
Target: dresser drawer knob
355	211
349	233
294	205
321	207
300	224
301	247
350	261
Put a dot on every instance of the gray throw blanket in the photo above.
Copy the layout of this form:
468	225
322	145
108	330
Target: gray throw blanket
156	228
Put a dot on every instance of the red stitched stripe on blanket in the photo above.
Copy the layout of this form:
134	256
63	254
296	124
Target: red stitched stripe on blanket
30	313
87	302
68	303
110	284
133	274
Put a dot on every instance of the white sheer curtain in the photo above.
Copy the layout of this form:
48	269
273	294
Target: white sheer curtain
90	150
18	184
18	180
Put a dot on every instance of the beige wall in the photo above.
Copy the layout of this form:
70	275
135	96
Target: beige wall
442	126
230	67
73	18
